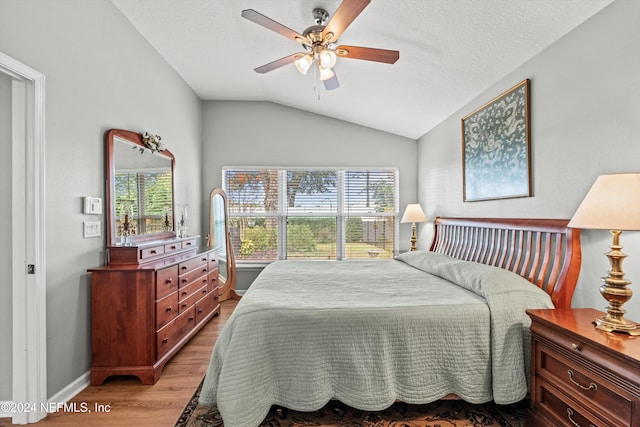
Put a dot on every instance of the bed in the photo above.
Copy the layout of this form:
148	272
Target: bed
424	326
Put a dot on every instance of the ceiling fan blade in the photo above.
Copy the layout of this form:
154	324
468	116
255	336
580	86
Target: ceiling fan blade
277	63
272	25
368	53
331	83
343	17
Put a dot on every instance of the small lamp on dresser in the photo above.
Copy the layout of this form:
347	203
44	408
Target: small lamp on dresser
413	213
613	203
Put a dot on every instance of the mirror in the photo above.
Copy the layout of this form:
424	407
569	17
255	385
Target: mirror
140	194
219	239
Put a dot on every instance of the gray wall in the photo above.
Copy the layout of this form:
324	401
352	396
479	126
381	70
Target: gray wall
266	134
585	117
100	74
6	357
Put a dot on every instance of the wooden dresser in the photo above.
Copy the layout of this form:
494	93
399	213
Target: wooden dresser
147	303
581	376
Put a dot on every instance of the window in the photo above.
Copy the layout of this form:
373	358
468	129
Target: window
326	213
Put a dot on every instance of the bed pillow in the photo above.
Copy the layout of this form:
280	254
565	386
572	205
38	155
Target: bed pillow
482	279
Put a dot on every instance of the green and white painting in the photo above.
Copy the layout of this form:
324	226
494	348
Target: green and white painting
496	148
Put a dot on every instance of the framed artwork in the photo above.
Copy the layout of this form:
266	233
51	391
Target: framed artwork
496	148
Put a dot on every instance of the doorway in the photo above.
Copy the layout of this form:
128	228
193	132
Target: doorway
24	114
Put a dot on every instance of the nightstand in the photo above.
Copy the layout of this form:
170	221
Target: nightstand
581	376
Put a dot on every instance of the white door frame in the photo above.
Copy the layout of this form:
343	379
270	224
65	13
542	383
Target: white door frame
28	241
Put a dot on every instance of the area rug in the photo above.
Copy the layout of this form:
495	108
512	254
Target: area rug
442	413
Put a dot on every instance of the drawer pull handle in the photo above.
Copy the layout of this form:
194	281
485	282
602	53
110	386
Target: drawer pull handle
169	280
184	267
570	416
153	251
204	291
184	292
165	340
168	309
592	386
576	347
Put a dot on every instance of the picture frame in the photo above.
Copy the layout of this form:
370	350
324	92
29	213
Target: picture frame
496	147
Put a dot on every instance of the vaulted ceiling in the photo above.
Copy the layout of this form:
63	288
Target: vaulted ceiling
450	51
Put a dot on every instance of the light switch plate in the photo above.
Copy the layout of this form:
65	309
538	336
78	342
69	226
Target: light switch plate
92	228
92	205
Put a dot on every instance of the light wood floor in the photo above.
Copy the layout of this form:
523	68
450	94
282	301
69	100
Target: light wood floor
134	404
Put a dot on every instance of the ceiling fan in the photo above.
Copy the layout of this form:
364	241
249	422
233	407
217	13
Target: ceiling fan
320	42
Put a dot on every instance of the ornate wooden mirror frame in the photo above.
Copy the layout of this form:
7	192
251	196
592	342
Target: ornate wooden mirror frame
139	154
220	240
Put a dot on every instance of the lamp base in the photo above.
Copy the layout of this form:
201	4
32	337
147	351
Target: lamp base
615	290
604	323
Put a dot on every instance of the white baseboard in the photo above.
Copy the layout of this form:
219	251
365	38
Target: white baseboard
8	408
5	405
70	391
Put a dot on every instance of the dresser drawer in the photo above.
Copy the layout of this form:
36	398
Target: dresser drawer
191	243
186	291
213	280
168	337
196	262
166	281
172	247
197	275
205	306
563	410
579	377
189	301
166	310
213	261
151	252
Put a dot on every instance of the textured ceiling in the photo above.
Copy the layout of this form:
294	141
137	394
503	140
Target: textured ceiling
450	51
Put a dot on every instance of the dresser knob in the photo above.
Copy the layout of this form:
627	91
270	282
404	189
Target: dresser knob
576	347
169	309
169	280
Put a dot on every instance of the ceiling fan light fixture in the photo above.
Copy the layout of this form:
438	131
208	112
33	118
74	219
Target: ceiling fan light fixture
303	63
326	73
327	59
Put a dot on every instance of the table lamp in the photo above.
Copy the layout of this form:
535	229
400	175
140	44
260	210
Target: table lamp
413	213
613	203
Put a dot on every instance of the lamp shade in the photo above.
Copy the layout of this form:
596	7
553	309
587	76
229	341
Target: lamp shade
303	63
612	203
413	213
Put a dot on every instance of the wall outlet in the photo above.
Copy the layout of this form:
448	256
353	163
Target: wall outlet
92	228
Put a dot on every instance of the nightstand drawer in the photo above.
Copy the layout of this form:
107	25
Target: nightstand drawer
579	377
564	411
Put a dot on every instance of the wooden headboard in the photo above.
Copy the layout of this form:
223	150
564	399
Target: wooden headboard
544	251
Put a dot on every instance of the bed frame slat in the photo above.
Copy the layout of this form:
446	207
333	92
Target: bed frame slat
544	251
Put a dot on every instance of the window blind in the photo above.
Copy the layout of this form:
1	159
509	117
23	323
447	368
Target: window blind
320	213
